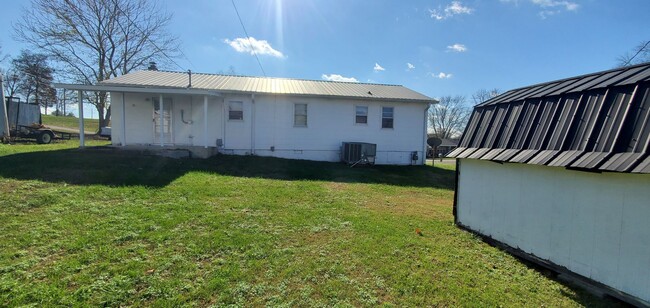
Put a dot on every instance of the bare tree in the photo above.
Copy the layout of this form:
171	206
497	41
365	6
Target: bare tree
10	81
448	118
95	40
639	54
482	95
3	57
35	78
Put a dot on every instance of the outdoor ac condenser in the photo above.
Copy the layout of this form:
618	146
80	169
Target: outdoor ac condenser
358	153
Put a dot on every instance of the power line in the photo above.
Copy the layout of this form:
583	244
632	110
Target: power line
637	53
248	37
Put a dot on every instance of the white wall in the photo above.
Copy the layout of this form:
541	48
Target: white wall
268	122
594	224
139	116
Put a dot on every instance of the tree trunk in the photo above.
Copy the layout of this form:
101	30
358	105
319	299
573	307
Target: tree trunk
107	117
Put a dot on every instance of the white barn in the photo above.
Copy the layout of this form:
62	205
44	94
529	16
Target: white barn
559	173
287	118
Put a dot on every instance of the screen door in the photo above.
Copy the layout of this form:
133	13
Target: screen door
162	124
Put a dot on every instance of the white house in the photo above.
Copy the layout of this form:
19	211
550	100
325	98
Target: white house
559	173
288	118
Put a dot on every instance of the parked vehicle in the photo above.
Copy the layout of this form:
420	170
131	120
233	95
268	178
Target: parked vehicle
105	132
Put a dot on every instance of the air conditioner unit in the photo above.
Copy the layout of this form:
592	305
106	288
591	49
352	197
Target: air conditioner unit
358	153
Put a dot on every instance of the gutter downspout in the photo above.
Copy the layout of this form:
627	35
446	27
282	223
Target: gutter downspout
253	124
424	146
4	133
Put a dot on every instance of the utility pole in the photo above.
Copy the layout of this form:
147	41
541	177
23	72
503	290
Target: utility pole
4	125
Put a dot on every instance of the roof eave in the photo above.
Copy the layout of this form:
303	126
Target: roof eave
136	89
176	90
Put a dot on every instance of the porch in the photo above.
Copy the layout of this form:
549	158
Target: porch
189	120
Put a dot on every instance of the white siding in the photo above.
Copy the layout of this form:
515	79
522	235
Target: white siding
268	122
139	116
595	224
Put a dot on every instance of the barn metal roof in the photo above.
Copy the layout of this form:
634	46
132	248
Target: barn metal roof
596	122
267	85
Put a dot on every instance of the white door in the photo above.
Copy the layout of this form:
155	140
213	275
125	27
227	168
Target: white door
162	124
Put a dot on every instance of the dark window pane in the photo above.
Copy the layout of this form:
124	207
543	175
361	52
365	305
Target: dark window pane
387	123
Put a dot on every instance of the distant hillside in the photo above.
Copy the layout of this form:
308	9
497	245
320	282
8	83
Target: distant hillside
90	125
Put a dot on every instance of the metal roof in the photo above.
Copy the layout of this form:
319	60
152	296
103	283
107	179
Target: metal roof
266	85
597	122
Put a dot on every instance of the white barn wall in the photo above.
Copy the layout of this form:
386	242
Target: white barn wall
330	122
594	224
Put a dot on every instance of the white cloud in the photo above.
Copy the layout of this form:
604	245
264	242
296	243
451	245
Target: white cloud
454	8
378	67
457	48
409	66
252	46
550	7
441	75
567	5
337	77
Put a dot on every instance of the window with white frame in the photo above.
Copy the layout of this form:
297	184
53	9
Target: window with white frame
300	115
235	111
361	115
387	114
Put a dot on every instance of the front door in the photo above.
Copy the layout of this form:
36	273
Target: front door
162	125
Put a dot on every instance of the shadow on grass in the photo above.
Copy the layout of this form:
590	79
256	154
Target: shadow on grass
109	166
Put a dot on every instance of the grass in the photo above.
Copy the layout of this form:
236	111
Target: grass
103	227
90	125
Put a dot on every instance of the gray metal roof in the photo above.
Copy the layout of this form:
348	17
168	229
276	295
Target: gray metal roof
267	85
597	122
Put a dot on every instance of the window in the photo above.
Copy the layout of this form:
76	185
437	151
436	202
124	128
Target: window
361	115
300	115
235	111
387	117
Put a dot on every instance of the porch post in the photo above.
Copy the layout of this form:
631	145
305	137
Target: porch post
82	133
123	120
205	121
160	115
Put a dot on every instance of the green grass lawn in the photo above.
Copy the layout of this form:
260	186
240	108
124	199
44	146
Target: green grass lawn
105	227
90	125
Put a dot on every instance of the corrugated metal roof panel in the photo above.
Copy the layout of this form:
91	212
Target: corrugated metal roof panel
511	124
523	156
623	77
506	155
596	82
643	75
265	85
622	162
526	125
564	122
492	154
497	127
455	152
643	167
479	153
544	157
466	153
591	160
470	130
565	158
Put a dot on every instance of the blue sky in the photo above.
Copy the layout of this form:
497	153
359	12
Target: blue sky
453	47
